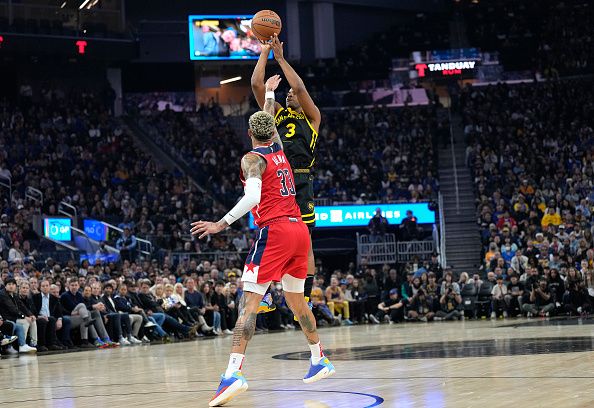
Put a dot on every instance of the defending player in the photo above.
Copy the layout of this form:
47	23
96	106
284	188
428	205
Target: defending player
279	254
298	127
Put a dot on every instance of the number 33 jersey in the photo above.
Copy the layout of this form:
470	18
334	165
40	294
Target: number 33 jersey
298	136
278	186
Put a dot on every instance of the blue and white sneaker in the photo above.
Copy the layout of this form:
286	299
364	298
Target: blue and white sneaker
319	371
229	388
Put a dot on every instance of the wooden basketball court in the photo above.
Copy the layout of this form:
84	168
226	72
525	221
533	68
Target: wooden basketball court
519	363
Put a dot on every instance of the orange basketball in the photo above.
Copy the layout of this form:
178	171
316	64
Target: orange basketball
265	24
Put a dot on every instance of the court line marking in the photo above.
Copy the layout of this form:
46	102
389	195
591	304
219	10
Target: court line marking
377	399
331	378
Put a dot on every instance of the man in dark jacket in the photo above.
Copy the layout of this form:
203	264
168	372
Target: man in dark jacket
6	334
112	311
40	332
47	307
75	310
14	311
123	304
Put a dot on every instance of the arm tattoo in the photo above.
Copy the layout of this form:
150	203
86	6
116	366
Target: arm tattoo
276	139
253	165
269	106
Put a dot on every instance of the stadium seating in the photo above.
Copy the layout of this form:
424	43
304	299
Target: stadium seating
553	37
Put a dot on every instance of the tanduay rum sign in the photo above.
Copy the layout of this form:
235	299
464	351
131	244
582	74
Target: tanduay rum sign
444	68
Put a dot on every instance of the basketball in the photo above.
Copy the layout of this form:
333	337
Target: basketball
265	24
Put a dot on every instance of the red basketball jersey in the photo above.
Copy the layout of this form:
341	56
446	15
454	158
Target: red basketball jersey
278	188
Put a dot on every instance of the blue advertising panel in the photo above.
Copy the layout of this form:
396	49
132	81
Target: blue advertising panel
359	215
57	228
95	229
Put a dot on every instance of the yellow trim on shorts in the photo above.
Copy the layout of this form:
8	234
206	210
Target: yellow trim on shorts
309	222
307	215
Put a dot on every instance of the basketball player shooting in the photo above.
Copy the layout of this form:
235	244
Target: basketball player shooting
279	254
298	126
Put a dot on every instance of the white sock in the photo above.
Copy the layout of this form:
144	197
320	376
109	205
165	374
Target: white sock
316	352
235	362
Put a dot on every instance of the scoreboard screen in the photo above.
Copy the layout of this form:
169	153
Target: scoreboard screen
222	37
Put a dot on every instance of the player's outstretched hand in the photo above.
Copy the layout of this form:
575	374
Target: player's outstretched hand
277	47
272	82
265	46
204	228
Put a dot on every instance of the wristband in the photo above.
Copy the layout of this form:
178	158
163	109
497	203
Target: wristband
269	95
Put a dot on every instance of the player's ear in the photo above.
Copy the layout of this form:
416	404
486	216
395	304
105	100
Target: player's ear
250	133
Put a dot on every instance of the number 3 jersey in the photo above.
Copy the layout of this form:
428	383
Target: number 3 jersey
298	136
278	187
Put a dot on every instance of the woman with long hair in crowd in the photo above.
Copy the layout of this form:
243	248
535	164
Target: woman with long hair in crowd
212	315
172	303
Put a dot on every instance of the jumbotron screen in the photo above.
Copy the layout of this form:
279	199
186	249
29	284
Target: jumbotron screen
222	37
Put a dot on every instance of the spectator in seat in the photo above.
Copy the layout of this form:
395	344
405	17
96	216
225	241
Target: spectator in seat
123	304
220	300
212	314
127	245
172	303
282	310
576	300
420	307
371	289
557	287
499	305
449	302
377	226
540	301
107	299
43	334
15	312
550	217
6	336
448	282
336	301
519	262
195	302
391	281
179	292
406	291
432	291
409	227
321	311
391	310
152	307
515	291
98	311
589	284
357	298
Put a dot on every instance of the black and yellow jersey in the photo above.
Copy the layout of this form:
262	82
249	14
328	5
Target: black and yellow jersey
298	136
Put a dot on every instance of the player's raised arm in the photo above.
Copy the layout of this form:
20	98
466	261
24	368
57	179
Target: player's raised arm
307	104
258	87
253	166
270	103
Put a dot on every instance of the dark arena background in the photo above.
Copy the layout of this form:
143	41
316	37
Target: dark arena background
453	188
